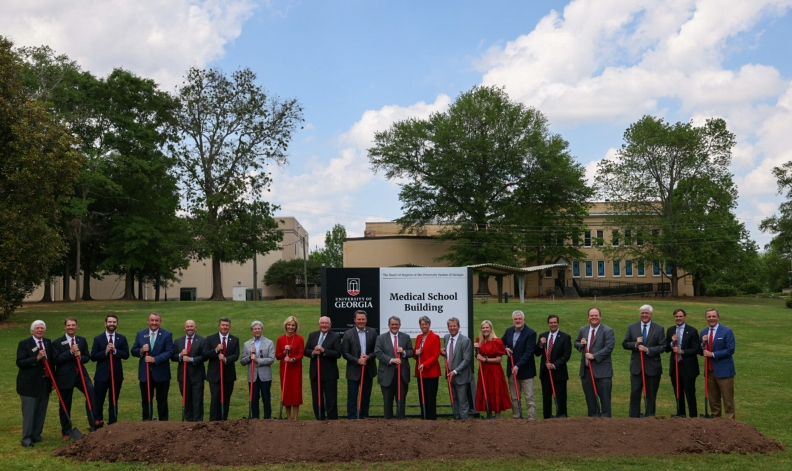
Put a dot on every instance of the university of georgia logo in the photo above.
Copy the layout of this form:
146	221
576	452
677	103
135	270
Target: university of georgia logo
353	286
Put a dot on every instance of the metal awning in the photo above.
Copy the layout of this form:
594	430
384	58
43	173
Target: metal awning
505	270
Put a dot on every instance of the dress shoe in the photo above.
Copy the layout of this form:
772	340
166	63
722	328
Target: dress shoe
38	439
27	443
65	438
99	424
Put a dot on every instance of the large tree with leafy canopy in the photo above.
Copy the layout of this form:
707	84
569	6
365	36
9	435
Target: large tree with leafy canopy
492	173
229	131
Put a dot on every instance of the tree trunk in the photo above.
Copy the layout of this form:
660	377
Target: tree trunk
67	280
255	278
696	286
674	282
483	287
140	286
129	285
217	281
499	282
77	291
86	293
157	288
47	298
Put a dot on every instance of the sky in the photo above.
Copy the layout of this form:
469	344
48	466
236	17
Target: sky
592	67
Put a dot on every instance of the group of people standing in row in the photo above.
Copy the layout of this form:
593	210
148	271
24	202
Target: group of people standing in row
368	355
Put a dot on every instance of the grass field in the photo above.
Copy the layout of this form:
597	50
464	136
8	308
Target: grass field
764	374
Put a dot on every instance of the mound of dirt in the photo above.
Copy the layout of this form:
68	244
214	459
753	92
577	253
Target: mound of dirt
253	442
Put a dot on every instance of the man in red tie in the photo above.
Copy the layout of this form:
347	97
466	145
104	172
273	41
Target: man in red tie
187	352
554	350
70	351
32	383
221	351
717	342
596	341
107	346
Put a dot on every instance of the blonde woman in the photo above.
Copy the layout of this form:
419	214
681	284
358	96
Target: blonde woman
289	350
492	393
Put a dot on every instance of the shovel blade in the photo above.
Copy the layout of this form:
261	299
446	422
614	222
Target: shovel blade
75	434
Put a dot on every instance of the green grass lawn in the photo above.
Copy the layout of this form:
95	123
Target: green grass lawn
762	329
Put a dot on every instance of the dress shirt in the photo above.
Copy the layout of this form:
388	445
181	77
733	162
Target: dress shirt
454	339
362	340
588	342
516	336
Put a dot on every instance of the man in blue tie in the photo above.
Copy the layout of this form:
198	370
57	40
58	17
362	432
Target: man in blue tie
683	341
324	350
154	347
645	339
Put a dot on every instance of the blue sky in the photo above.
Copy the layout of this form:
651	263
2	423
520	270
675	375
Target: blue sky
592	66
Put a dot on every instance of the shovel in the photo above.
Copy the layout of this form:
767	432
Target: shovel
113	398
643	380
250	400
283	388
596	394
360	392
680	412
706	415
93	424
517	386
148	390
483	385
73	433
448	378
184	390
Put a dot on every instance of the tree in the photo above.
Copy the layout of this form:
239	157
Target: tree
669	187
229	131
288	275
333	252
487	169
37	168
780	225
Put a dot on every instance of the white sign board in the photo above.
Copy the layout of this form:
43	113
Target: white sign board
410	293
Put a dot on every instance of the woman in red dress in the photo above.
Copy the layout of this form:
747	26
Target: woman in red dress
491	387
289	350
427	368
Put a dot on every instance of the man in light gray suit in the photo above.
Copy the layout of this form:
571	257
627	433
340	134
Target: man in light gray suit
392	349
596	342
458	352
187	352
647	338
260	351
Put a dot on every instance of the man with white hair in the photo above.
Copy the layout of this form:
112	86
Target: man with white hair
33	385
260	351
520	342
646	340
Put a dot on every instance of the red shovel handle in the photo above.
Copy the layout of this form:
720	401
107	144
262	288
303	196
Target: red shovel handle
643	372
112	381
54	384
85	388
448	377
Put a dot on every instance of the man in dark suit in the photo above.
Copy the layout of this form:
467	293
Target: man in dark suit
645	338
596	341
70	351
520	343
221	348
324	347
459	353
392	349
154	347
187	351
106	345
554	349
683	340
357	347
32	383
718	346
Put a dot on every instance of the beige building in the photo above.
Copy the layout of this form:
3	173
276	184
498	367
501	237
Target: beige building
383	246
196	281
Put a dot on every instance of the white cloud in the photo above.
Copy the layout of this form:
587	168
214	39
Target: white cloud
159	39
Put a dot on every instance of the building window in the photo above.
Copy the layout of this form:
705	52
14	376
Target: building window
628	268
589	267
601	268
549	273
615	238
628	237
576	269
639	239
617	268
600	238
669	268
656	268
641	268
587	239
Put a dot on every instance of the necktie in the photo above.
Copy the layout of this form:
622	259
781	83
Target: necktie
72	342
451	351
395	345
709	347
189	344
224	345
153	339
550	347
680	331
321	339
41	346
111	339
591	342
644	334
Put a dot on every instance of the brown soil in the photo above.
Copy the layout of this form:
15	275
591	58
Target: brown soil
255	442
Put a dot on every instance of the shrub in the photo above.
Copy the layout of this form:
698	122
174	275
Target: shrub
721	290
751	287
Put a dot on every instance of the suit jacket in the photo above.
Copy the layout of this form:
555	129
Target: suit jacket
383	350
562	351
604	341
690	346
350	350
462	362
654	341
329	359
265	357
523	352
429	355
66	374
162	353
723	349
99	355
196	373
32	379
210	355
